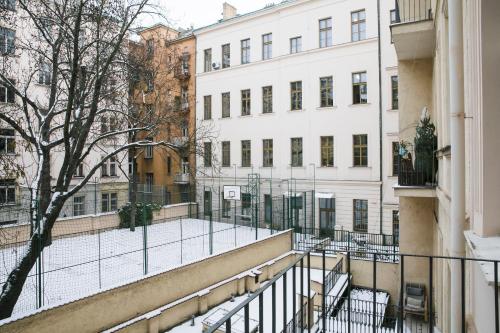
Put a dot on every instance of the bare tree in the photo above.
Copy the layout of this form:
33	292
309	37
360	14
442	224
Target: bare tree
68	76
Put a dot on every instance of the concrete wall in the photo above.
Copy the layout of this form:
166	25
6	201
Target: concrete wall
64	227
112	307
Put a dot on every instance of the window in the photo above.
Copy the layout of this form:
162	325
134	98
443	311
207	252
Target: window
45	28
7	37
7	94
7	192
226	56
296	95
109	167
184	99
109	202
296	150
295	45
245	51
150	47
327	151
207	154
226	208
360	150
326	91
360	215
148	150
267	99
78	205
394	17
150	83
79	171
327	213
8	4
268	208
267	152
207	107
207	65
7	141
394	92
359	88
358	25
267	46
395	225
325	32
395	158
226	153
149	183
245	102
169	165
226	105
44	73
246	153
246	206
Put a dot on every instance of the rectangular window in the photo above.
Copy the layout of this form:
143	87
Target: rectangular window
327	151
7	94
184	99
358	25
296	95
326	91
148	150
44	73
245	51
325	32
226	105
267	99
207	154
267	151
268	208
207	107
360	150
359	88
245	102
226	208
8	4
169	165
7	141
109	202
395	225
246	206
393	16
395	158
150	48
394	92
112	166
7	192
150	83
78	205
360	215
226	56
246	153
296	152
295	45
7	38
327	213
149	183
207	63
226	153
267	46
79	171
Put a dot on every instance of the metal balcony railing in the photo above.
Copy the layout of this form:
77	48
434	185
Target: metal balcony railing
181	178
418	172
409	11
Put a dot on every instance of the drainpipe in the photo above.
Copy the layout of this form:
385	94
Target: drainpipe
380	118
457	139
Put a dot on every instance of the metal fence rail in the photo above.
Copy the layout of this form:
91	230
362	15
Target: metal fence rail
408	11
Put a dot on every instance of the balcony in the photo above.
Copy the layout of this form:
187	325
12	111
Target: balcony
413	30
182	73
180	141
181	178
417	177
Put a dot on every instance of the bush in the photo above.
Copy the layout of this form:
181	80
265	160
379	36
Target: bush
125	213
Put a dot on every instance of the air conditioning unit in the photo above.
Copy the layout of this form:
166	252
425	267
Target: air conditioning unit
216	65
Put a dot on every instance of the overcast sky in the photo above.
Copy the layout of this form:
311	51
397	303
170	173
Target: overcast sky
184	13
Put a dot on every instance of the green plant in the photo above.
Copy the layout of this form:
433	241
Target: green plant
425	145
141	208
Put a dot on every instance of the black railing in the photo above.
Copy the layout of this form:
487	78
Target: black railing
420	172
371	310
408	11
334	275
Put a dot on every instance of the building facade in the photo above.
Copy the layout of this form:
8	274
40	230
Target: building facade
312	106
164	173
445	55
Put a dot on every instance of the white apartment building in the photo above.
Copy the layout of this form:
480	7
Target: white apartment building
303	90
107	190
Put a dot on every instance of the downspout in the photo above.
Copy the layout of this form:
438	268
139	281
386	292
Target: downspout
457	139
380	117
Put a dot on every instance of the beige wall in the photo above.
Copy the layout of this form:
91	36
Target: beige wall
109	308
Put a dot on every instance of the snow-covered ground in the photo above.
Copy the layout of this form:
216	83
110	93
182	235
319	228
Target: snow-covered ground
77	266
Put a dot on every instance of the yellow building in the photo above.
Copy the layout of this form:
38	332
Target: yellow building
167	90
449	199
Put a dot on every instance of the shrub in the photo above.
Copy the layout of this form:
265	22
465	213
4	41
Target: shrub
125	212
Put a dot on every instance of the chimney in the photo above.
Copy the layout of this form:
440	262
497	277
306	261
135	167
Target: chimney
228	11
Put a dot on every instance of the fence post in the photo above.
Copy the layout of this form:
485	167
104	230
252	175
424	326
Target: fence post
40	253
99	254
374	323
181	238
145	238
210	236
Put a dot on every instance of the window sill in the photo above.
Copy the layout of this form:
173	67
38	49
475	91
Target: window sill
224	118
110	177
296	111
43	85
296	167
326	108
208	119
360	167
266	114
327	167
245	167
392	110
359	104
245	116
